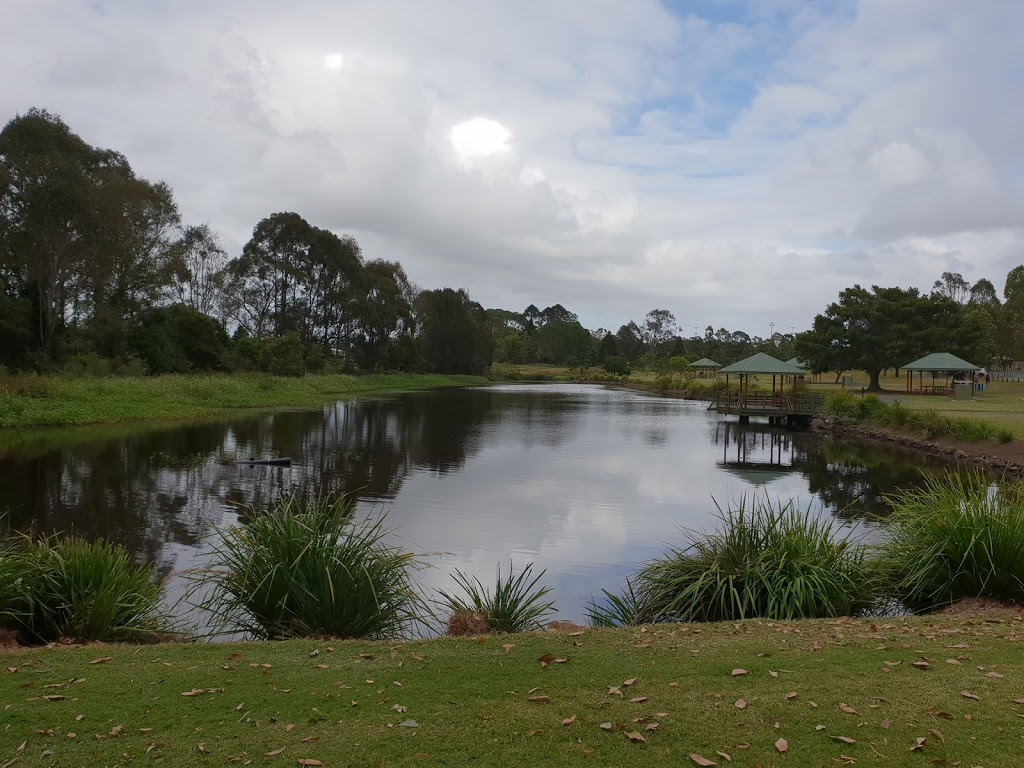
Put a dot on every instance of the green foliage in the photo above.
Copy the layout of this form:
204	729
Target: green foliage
455	333
840	404
678	364
765	560
517	604
558	341
955	536
618	610
85	590
304	568
179	339
1004	435
617	366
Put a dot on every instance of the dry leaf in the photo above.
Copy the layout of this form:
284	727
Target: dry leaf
938	735
782	745
792	695
409	724
965	694
569	720
417	657
101	660
819	727
634	736
740	704
844	739
937	712
739	672
201	747
614	691
606	726
651	727
773	673
885	725
702	761
367	656
508	647
848	709
576	634
921	665
638	700
309	763
918	744
540	698
275	753
629	682
537	732
310	739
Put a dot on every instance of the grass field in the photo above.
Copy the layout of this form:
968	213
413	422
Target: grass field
34	401
814	694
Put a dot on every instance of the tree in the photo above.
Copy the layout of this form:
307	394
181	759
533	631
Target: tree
559	341
180	339
454	334
984	293
198	270
658	328
629	341
382	311
557	314
953	285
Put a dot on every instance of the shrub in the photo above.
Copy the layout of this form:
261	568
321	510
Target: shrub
85	590
303	568
516	605
1004	435
13	594
623	610
840	404
955	537
765	560
617	366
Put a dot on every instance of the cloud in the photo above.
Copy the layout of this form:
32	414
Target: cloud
738	163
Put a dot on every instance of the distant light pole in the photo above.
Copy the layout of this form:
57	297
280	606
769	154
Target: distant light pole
772	326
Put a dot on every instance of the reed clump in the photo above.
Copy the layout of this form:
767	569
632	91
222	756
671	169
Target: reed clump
518	602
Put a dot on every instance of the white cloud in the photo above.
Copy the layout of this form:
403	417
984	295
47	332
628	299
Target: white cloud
734	171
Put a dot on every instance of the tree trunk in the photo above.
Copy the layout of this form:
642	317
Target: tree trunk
874	386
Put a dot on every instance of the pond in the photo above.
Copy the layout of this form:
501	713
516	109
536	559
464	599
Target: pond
584	481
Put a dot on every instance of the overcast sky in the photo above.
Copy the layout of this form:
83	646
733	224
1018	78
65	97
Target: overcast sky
735	161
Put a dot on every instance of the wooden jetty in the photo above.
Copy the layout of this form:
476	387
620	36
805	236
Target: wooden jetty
788	402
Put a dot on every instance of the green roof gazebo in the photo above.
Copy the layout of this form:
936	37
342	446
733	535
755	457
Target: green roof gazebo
705	368
761	365
935	363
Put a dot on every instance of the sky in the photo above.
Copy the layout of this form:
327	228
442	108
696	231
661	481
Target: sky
738	162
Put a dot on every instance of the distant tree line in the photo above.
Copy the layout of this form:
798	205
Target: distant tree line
99	273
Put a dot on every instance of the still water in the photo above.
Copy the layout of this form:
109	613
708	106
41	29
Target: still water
584	481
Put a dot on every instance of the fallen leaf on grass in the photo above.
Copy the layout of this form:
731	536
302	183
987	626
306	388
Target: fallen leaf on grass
994	675
409	724
954	662
21	747
848	709
508	647
782	745
275	753
960	646
537	732
885	725
634	736
724	755
605	726
773	673
540	698
54	697
844	739
638	700
701	761
918	744
576	634
201	747
937	712
939	735
651	727
614	691
739	672
308	762
289	728
102	660
629	682
792	695
740	704
310	739
921	665
965	694
819	727
569	720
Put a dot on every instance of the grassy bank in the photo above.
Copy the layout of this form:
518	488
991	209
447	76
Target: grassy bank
490	701
35	401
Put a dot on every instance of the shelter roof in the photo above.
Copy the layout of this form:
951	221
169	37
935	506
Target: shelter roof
797	362
705	363
940	361
763	364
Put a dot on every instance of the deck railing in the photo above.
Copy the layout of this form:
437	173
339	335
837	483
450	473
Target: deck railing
799	403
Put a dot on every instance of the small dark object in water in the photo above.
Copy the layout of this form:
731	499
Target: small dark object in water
282	462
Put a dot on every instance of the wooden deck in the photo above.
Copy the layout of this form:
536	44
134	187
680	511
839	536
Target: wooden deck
799	406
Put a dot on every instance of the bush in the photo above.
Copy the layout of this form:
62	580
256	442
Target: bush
955	537
85	590
765	560
303	568
13	588
516	605
1004	435
840	404
616	366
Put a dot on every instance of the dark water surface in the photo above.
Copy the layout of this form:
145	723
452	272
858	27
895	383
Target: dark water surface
584	481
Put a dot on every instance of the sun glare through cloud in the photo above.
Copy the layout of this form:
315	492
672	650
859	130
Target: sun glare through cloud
479	137
334	62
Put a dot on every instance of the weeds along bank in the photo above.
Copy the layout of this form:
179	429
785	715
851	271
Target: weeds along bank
32	401
305	568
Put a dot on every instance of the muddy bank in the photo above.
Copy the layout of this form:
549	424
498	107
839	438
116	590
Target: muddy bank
1007	459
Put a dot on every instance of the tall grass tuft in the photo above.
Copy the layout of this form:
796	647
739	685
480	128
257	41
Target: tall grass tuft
84	590
627	609
304	568
13	587
517	603
955	537
767	560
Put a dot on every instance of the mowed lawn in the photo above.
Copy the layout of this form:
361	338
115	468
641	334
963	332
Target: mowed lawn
900	692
